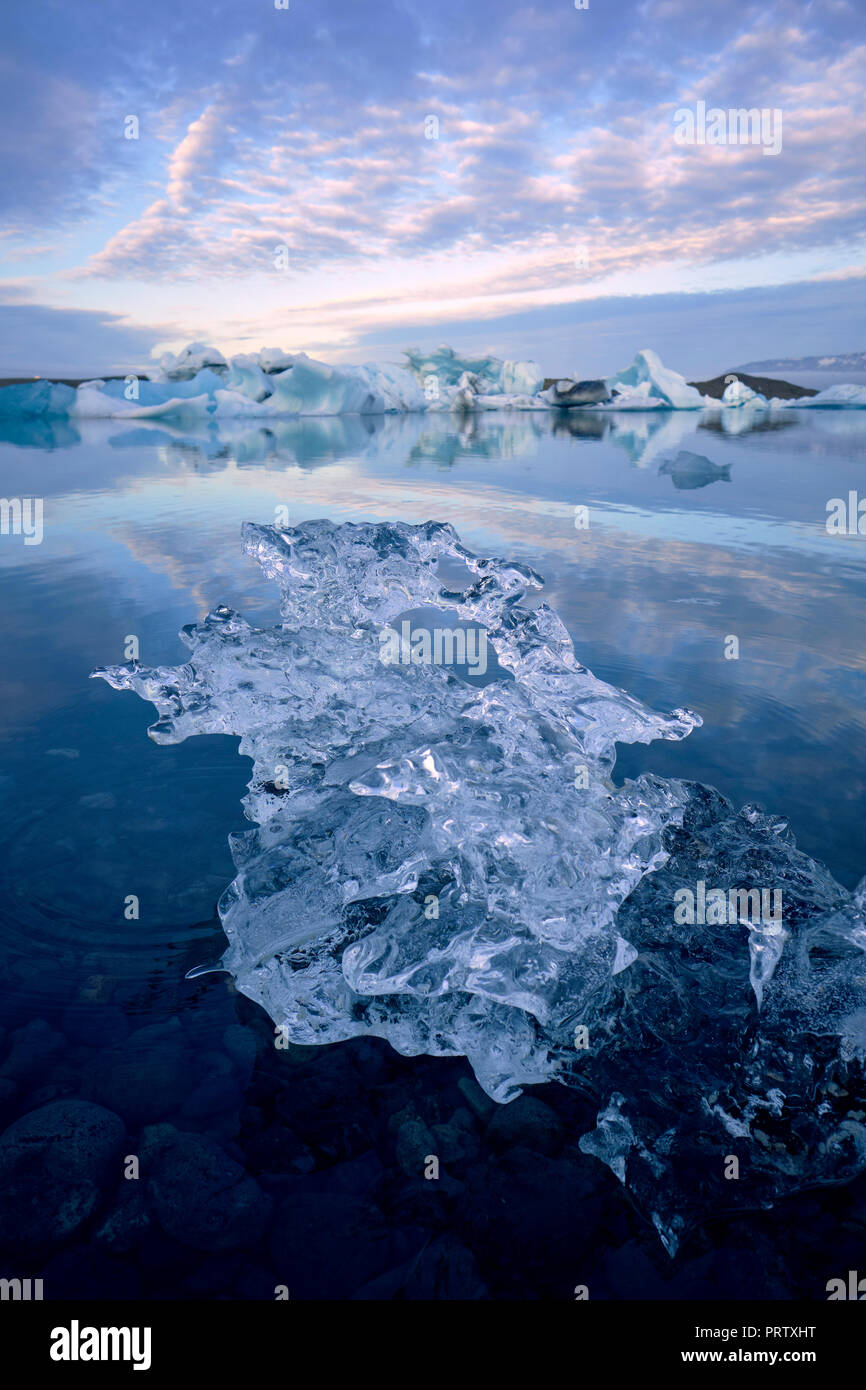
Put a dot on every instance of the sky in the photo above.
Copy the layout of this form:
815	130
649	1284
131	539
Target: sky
285	188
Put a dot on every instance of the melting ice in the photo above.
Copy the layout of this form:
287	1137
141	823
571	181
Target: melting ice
453	868
272	384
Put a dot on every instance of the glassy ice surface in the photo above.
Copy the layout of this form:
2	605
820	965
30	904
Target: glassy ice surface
438	866
696	531
456	871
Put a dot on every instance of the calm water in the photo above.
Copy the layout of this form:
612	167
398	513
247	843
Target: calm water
141	535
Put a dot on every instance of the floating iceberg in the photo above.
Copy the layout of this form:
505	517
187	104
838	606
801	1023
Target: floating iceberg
648	384
187	363
452	867
273	384
845	394
488	376
737	393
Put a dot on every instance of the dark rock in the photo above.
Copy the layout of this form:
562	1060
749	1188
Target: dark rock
445	1271
203	1198
55	1090
79	1138
323	1105
144	1077
413	1144
33	1049
507	1206
215	1097
53	1162
126	1226
329	1246
254	1283
478	1101
632	1273
278	1150
457	1141
153	1139
765	385
566	392
526	1122
357	1178
97	1024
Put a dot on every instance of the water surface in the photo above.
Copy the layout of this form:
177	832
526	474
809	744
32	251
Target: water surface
696	530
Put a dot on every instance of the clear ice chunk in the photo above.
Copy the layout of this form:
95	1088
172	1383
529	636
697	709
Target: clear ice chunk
452	867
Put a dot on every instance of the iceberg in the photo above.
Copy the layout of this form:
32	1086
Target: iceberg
737	393
487	376
451	866
98	400
845	394
273	384
647	384
187	363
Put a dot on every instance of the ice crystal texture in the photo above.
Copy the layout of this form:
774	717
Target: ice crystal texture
451	866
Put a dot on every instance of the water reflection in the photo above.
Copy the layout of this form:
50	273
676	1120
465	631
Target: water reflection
436	437
142	527
689	471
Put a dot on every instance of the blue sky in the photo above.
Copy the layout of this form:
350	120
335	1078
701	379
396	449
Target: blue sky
555	215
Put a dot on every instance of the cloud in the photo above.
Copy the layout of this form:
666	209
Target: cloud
36	339
343	184
307	127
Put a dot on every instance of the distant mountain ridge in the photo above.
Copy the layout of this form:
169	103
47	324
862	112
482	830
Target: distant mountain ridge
770	387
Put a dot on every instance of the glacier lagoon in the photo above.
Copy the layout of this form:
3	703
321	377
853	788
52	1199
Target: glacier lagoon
696	531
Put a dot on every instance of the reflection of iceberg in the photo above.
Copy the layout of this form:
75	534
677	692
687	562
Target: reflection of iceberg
453	869
690	471
646	437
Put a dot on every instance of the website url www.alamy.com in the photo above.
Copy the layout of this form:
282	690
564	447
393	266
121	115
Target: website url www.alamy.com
770	1358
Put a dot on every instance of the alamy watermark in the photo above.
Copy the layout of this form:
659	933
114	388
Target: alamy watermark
20	1290
714	906
755	126
22	516
77	1343
853	1289
846	517
441	646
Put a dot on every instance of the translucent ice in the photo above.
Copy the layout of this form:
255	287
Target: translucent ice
272	385
432	862
648	383
488	375
452	867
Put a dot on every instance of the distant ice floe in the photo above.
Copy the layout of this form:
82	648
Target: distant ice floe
271	384
648	384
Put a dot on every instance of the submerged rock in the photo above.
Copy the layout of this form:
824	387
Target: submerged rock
202	1197
144	1077
53	1163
